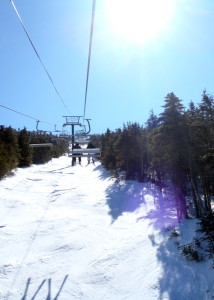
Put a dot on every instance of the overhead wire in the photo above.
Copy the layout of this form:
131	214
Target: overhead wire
38	55
18	112
89	55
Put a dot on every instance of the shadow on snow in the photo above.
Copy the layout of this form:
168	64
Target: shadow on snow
181	279
124	198
129	196
104	174
24	297
163	214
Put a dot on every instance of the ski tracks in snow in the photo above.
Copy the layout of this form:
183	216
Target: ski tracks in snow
73	233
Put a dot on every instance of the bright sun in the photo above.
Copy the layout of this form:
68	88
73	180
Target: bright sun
138	21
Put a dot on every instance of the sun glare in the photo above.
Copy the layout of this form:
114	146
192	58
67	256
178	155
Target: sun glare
138	21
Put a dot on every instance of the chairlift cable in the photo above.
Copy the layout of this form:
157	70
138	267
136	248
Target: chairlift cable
38	55
18	112
89	55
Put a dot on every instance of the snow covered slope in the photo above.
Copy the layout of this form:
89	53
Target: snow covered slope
73	233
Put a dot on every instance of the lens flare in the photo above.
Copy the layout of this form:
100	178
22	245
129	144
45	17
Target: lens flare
138	21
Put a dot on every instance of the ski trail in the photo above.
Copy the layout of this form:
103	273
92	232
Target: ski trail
73	233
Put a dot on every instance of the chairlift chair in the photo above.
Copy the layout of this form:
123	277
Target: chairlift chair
81	137
64	135
72	120
83	152
42	145
56	130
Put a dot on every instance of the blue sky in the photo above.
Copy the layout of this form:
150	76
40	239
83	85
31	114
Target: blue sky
129	74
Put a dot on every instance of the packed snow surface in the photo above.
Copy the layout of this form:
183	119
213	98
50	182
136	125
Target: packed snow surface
75	233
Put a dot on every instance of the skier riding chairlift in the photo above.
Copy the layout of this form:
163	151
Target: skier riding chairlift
90	146
76	146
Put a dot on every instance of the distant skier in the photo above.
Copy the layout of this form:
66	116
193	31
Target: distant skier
90	146
76	146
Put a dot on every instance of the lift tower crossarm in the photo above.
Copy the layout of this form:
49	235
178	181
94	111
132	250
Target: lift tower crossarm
72	120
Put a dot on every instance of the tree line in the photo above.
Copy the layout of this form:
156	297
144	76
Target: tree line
15	150
174	150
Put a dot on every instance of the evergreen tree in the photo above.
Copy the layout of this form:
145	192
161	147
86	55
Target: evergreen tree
59	147
169	150
25	150
153	121
206	158
108	149
130	151
4	166
9	150
193	131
